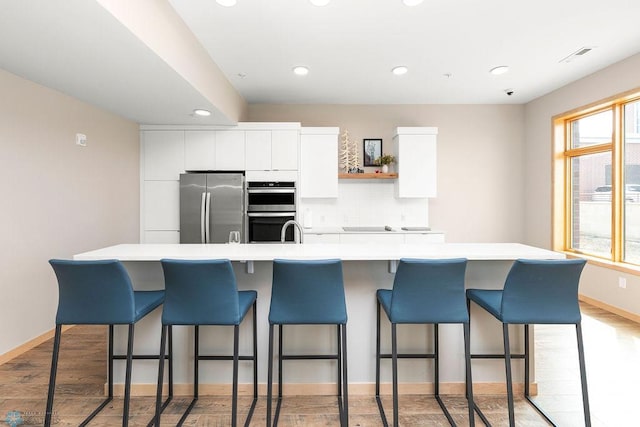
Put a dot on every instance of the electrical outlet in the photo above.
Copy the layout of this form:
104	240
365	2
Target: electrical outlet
622	282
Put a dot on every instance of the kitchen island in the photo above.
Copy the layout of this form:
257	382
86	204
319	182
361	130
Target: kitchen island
366	267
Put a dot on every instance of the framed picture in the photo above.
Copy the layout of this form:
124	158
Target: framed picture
372	149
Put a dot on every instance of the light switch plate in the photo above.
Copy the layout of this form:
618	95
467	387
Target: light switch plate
81	140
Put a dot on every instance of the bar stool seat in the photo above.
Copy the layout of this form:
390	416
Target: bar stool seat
425	291
100	293
535	292
308	293
201	293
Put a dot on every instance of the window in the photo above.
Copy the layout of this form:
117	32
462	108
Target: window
597	181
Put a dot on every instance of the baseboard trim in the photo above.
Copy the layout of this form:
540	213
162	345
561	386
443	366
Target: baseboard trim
324	389
12	354
610	308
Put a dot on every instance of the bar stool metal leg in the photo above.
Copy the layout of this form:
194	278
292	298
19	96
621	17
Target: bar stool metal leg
469	382
583	376
127	378
394	368
345	382
507	364
270	376
52	377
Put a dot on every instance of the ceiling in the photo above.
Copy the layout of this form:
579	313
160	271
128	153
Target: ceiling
350	47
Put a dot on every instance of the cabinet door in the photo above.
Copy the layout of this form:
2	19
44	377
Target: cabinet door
389	238
321	238
162	205
416	156
424	238
161	237
258	150
230	150
284	150
199	150
163	154
319	165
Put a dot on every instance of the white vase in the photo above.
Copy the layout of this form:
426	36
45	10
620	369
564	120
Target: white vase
385	168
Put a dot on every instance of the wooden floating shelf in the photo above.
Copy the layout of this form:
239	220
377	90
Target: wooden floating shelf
367	175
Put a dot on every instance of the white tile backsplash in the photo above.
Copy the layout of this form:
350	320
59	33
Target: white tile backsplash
366	204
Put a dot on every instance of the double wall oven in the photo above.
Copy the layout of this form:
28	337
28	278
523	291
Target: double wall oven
269	206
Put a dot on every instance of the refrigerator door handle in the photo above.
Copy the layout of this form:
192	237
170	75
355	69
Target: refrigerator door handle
208	218
202	217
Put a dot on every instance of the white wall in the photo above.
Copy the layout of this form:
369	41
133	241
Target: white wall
597	282
480	159
363	203
58	198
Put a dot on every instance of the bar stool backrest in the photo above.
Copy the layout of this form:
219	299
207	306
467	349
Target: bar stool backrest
200	292
308	292
93	292
542	292
429	291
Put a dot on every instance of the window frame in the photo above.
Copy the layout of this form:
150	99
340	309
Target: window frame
562	156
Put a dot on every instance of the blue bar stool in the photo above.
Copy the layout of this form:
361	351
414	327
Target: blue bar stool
535	292
100	293
424	292
308	293
204	292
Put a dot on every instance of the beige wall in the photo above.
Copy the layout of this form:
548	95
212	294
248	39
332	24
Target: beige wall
58	198
480	158
597	282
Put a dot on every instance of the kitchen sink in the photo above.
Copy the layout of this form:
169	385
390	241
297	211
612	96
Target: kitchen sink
368	229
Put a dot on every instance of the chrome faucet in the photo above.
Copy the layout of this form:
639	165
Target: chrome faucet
284	230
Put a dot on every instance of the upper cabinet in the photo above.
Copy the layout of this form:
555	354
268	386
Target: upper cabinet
214	150
230	150
199	150
319	162
415	151
284	149
162	155
258	150
271	150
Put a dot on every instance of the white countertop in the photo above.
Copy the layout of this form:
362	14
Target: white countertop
340	230
346	252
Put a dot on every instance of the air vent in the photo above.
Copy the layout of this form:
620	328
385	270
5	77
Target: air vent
580	52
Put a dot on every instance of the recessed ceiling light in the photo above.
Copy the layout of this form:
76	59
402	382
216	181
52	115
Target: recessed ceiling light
319	2
226	3
501	69
301	70
398	71
412	2
201	112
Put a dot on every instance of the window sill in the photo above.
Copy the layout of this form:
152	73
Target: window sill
599	262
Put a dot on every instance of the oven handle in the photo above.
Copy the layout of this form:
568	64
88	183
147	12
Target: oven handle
270	214
272	190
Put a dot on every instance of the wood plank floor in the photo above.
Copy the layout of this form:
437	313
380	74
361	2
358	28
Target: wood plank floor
612	346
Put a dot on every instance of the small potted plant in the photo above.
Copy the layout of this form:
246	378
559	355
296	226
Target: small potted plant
385	160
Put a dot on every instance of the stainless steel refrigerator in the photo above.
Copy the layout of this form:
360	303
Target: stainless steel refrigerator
211	206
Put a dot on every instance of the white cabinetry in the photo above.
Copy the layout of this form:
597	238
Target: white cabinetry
162	154
271	150
284	150
199	150
319	162
258	150
424	238
389	238
229	150
321	238
214	150
415	151
162	162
